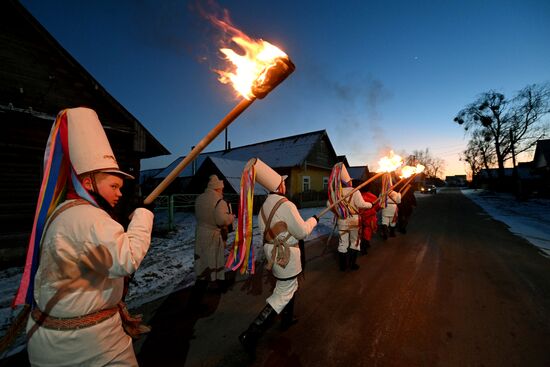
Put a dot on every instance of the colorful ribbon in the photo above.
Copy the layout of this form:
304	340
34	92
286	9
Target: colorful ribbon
53	191
386	184
242	254
335	193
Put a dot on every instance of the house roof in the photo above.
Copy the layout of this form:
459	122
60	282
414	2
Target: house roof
358	172
524	172
343	159
284	152
542	154
232	171
148	173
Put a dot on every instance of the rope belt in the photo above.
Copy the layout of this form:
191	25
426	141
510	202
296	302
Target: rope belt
72	323
289	278
280	253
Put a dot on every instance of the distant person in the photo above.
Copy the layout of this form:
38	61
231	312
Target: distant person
405	209
368	221
213	218
282	227
389	215
78	318
347	213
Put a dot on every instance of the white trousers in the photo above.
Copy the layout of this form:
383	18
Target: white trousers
282	294
349	238
388	221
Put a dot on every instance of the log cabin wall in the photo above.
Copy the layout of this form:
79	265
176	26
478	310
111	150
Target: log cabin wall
39	78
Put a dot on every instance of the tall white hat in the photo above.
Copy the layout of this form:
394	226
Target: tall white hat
344	175
265	175
89	148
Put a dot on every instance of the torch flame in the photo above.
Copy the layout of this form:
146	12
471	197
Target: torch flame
248	71
408	171
390	163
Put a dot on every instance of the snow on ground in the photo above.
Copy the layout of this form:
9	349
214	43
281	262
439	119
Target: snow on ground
528	219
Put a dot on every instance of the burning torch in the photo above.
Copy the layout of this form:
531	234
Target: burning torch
258	72
386	165
408	173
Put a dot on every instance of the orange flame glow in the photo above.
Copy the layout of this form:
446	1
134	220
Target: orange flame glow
249	69
390	163
408	171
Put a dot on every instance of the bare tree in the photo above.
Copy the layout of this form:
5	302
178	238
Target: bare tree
513	125
527	125
434	166
479	153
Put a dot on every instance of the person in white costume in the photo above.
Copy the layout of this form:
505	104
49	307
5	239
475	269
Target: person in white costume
282	227
389	215
212	213
348	220
85	255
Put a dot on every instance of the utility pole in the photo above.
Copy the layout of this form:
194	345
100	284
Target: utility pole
515	178
514	171
226	138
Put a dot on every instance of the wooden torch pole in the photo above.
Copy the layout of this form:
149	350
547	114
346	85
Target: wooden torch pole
228	119
408	182
391	188
324	211
406	190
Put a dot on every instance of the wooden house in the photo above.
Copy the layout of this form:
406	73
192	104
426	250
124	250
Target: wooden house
38	78
541	166
306	158
358	173
541	159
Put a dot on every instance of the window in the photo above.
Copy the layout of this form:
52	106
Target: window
306	183
325	183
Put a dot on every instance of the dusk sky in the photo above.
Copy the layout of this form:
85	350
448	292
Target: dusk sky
375	74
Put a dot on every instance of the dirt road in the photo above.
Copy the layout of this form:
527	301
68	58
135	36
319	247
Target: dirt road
457	290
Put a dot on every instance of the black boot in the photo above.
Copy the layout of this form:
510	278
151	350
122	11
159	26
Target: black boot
222	285
384	231
353	259
392	231
249	338
402	224
197	294
365	244
287	315
342	259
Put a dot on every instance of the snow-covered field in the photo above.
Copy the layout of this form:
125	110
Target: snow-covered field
528	219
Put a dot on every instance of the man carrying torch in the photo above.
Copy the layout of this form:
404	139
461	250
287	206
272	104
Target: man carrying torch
389	201
347	213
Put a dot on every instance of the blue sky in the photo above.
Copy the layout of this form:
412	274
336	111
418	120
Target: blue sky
374	74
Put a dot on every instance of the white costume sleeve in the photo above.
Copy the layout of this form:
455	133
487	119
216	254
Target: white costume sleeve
127	249
358	202
395	197
296	226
